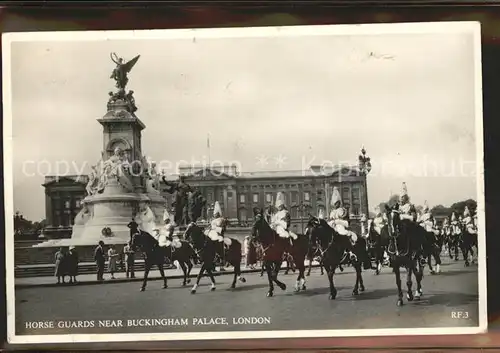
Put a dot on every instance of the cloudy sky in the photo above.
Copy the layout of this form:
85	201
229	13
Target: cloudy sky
409	98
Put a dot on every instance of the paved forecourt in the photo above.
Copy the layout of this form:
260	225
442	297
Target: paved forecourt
450	299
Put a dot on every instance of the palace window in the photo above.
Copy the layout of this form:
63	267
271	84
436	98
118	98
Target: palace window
243	215
67	204
294	212
356	200
255	198
269	197
345	196
307	196
242	198
78	203
294	196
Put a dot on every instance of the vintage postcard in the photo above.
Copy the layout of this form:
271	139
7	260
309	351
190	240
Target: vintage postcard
308	181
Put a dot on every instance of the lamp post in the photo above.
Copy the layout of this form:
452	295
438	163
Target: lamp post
365	167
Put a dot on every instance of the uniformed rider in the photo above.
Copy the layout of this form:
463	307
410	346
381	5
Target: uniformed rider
406	208
379	221
215	231
426	220
454	224
468	221
338	219
280	221
169	230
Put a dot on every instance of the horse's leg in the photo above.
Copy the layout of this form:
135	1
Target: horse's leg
465	253
456	246
397	273
437	258
419	274
268	267
184	271
277	266
212	279
162	274
147	268
302	271
359	273
429	262
357	268
301	280
411	266
237	271
189	268
330	271
379	256
198	278
310	258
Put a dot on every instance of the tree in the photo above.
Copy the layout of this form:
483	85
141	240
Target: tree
459	207
394	199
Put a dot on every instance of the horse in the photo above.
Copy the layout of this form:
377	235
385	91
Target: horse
468	240
274	247
406	244
208	250
432	248
377	244
334	249
150	247
153	254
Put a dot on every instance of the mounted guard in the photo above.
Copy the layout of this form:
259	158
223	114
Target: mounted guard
426	220
215	231
455	225
169	228
468	222
339	217
380	220
406	208
281	220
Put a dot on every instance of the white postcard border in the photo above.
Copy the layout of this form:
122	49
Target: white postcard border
371	29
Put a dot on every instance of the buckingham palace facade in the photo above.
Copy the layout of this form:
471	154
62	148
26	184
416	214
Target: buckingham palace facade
305	192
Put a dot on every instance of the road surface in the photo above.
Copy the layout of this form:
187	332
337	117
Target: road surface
453	291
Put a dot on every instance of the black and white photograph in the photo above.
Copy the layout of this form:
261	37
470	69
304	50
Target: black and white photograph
266	182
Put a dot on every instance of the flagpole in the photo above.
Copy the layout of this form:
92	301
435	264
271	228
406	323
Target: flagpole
208	147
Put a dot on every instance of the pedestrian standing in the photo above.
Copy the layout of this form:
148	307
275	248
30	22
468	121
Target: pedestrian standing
129	255
60	264
250	253
72	264
112	261
100	260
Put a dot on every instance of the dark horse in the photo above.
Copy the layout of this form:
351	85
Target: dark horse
406	249
432	249
377	244
273	249
208	250
156	255
334	249
468	240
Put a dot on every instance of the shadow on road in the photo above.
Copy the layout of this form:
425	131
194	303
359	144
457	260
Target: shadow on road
377	294
246	287
448	299
317	291
454	273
